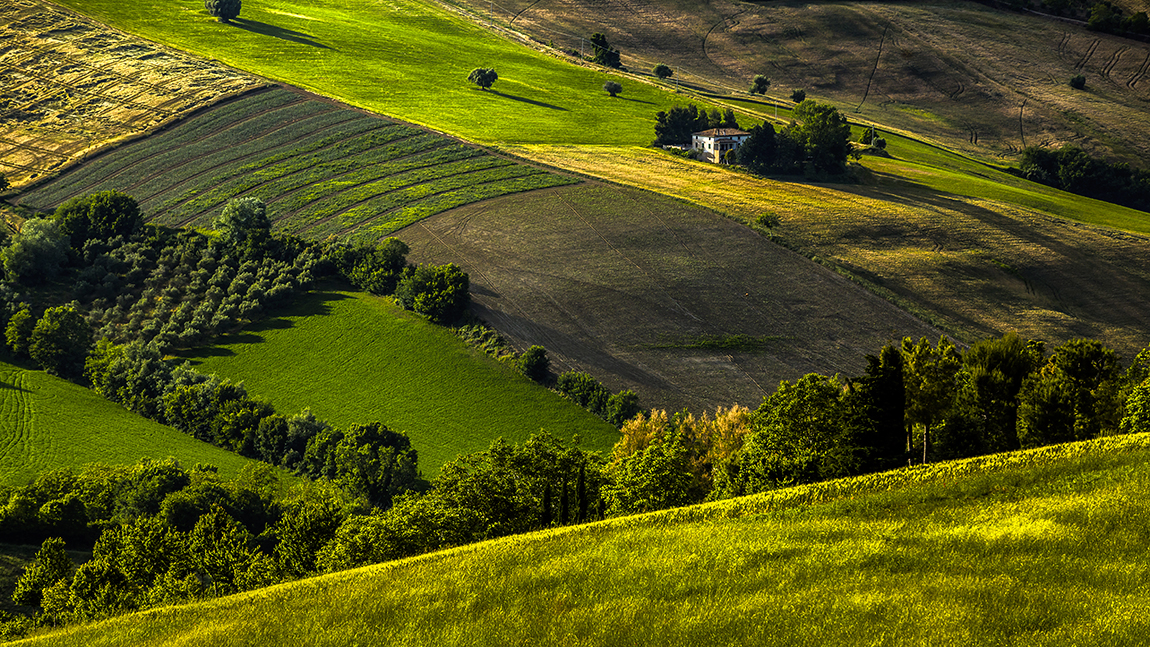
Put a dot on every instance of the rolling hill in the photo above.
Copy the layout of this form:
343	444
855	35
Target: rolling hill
1042	547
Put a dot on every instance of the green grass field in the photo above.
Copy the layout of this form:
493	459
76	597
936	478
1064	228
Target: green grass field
1045	547
324	170
48	423
354	358
404	58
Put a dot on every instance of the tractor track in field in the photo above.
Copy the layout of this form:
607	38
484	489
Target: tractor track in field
1140	74
359	203
523	11
1088	55
1063	43
246	119
1113	61
288	194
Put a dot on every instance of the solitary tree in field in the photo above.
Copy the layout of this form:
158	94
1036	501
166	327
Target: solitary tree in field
604	53
484	77
223	10
663	71
798	95
612	87
760	85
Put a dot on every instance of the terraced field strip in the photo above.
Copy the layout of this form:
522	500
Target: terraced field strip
353	358
973	266
323	170
72	86
49	423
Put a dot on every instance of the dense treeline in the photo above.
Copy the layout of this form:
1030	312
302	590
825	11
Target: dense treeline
1071	169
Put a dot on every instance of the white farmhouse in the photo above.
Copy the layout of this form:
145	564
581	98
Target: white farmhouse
714	143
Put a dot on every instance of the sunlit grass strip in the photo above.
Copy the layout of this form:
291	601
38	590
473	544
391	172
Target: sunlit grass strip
1036	548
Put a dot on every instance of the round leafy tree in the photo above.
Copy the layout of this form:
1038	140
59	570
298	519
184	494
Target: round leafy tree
438	292
760	85
798	95
98	216
60	341
484	77
663	72
223	10
612	87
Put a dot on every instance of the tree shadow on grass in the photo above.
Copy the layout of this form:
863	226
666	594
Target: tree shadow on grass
526	100
258	27
633	100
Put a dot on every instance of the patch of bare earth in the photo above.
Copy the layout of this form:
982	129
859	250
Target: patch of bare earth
72	86
621	283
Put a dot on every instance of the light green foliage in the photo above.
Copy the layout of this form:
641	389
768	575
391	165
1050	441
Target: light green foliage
36	252
244	225
1137	418
51	565
60	341
825	134
654	478
438	292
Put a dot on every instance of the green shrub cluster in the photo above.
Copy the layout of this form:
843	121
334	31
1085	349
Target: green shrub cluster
590	394
1072	169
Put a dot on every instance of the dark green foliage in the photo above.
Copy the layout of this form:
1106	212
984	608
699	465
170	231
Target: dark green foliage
438	292
879	402
534	363
36	253
60	341
4	183
1075	396
484	77
604	54
677	125
223	10
18	333
760	84
98	216
307	525
51	565
759	152
1072	169
799	95
375	269
621	407
585	390
662	71
367	460
612	87
1106	17
825	136
1078	82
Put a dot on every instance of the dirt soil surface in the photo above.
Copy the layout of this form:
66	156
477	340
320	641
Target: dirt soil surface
643	292
71	86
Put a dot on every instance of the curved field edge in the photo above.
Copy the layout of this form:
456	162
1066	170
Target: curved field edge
323	169
1038	546
356	358
48	423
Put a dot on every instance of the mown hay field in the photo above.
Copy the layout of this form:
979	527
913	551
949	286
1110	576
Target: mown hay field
324	170
47	423
685	307
975	267
354	358
72	86
1039	548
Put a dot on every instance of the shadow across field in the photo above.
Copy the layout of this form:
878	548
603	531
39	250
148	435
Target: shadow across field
526	100
257	27
315	304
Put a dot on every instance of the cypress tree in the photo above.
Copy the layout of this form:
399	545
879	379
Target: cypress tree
564	505
581	493
547	517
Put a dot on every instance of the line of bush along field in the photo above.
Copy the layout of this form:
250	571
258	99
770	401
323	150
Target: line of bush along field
1015	547
325	170
161	533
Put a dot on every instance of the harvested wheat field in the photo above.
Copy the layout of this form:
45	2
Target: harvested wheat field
73	86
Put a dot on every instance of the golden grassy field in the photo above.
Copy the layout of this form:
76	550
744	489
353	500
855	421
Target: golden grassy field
73	86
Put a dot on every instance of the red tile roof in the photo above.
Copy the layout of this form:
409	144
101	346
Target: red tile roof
721	132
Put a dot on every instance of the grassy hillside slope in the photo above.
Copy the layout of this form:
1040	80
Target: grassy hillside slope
1040	548
353	358
968	76
48	423
685	307
405	58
